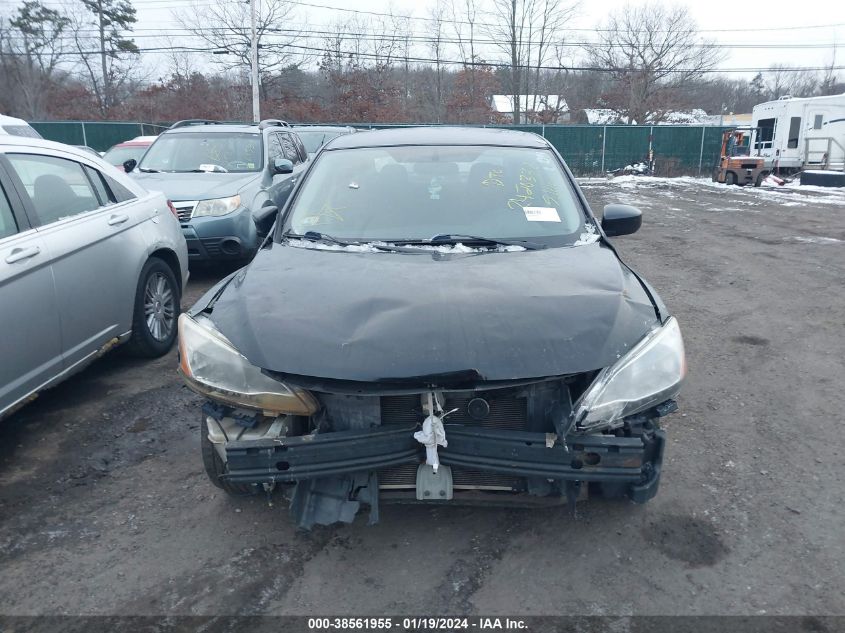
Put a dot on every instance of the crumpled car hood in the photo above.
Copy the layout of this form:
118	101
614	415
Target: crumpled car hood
381	317
194	186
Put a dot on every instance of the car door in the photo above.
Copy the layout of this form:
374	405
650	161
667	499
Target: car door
30	343
94	246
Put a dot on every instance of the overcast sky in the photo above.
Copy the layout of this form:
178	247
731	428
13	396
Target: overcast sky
726	21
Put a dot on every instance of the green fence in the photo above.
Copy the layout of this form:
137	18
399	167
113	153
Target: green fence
99	135
597	149
588	149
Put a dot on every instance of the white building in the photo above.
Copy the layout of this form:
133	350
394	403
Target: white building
532	108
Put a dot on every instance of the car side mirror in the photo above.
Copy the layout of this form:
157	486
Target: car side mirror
621	219
282	166
129	165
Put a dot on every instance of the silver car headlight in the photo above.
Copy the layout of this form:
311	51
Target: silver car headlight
651	373
212	367
216	206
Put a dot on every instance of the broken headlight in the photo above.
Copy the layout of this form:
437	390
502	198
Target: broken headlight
211	366
651	373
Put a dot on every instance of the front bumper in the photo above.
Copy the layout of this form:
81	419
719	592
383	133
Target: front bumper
629	466
231	236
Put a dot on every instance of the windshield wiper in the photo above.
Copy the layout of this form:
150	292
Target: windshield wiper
455	238
148	170
315	236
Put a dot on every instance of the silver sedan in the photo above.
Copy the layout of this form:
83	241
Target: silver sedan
88	260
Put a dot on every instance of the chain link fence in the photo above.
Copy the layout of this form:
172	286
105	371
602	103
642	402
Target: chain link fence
98	135
588	149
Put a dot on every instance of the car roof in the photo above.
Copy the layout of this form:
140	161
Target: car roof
4	118
134	143
38	143
439	135
215	128
324	128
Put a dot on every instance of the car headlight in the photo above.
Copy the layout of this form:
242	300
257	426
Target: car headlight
212	367
651	373
217	206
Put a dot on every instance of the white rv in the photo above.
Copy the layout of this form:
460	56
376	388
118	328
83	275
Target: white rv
795	133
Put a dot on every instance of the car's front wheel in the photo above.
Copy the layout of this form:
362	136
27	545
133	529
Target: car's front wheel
157	306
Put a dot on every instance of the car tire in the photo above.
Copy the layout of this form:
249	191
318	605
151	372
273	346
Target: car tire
158	294
730	178
760	178
215	468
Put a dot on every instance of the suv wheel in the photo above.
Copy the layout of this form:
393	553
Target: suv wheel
156	310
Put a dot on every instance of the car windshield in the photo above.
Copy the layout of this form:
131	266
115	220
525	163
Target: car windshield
119	155
314	140
414	193
21	130
205	151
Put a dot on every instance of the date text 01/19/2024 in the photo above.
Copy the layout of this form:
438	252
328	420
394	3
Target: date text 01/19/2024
416	624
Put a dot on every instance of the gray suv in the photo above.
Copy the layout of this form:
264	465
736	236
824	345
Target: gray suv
227	181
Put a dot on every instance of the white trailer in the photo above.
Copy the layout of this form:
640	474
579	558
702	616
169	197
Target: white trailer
795	133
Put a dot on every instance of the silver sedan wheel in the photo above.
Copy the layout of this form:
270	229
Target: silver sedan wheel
159	307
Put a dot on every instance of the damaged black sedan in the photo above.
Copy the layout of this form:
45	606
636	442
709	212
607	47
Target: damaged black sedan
438	317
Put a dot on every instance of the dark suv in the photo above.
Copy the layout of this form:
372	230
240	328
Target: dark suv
226	181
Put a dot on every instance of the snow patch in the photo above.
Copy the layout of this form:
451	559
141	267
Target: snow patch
373	247
589	236
814	239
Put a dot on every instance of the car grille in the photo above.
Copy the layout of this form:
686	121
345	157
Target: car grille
404	477
184	209
507	412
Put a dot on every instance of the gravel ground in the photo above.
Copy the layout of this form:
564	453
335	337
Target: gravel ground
105	508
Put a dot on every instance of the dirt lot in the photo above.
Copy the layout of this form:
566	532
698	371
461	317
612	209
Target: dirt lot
105	509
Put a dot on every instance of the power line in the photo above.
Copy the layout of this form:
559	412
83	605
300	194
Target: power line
428	60
487	24
313	5
419	39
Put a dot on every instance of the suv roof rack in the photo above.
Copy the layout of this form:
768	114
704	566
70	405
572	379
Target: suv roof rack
189	122
272	122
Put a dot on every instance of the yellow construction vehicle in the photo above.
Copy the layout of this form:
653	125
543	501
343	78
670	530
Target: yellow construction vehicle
736	166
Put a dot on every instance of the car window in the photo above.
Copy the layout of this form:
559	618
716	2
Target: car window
120	193
105	196
8	226
184	152
289	149
417	192
303	153
57	187
315	140
21	130
118	155
275	149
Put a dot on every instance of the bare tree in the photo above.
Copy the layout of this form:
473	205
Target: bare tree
778	80
226	27
463	15
830	84
31	47
651	51
436	45
99	29
528	31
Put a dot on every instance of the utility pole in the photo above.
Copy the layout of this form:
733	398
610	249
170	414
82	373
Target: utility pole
106	101
256	110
